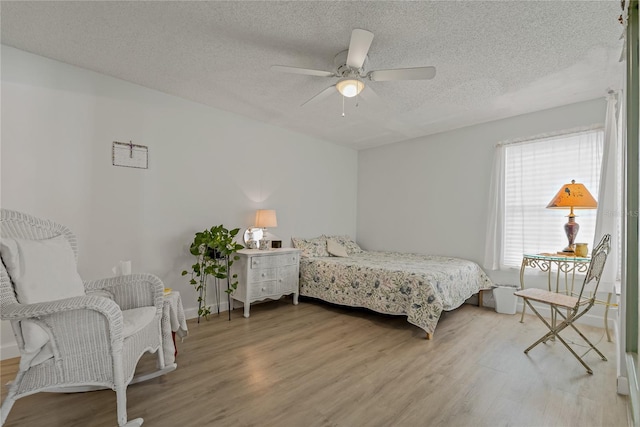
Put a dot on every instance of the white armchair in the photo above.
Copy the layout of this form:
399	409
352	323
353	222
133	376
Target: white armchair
73	335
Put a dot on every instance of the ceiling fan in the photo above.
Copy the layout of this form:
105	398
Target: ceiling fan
350	68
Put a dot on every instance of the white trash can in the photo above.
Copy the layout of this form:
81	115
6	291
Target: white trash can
506	301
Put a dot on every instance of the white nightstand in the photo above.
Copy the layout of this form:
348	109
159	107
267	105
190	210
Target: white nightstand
265	274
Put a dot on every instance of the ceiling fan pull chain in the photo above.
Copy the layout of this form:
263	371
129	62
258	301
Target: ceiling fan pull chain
342	105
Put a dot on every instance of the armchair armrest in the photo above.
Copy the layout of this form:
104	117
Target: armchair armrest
27	311
106	307
131	291
79	329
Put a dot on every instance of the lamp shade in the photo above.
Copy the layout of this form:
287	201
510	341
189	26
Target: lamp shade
266	218
575	196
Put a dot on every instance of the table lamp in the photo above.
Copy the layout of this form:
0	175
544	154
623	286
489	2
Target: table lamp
573	196
265	218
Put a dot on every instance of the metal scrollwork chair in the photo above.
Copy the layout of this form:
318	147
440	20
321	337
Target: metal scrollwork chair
73	335
570	307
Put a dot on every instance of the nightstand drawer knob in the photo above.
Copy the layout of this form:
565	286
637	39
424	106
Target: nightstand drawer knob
264	274
256	262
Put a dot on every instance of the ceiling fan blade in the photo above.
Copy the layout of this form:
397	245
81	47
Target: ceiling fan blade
358	47
419	73
305	71
371	96
320	96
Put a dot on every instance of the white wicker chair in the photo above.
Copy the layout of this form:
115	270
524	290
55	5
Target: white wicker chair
97	355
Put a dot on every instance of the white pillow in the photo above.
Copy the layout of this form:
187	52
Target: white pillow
336	249
41	270
313	247
348	243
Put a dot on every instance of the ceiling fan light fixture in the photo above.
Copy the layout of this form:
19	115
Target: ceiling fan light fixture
349	87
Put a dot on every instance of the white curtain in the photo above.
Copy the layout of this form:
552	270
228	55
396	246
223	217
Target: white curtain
609	196
495	223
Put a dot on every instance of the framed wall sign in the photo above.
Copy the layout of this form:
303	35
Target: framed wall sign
130	155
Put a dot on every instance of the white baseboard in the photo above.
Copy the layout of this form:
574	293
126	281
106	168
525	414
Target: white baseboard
192	312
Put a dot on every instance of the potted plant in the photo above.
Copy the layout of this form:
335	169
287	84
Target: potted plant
214	250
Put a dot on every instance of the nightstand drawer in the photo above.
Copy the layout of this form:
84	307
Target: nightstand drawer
263	289
262	274
288	259
273	261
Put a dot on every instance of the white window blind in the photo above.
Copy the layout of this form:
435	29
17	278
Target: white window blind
534	172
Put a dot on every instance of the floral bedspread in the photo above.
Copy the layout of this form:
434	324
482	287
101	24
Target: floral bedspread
419	286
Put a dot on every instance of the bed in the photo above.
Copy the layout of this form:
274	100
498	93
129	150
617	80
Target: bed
418	286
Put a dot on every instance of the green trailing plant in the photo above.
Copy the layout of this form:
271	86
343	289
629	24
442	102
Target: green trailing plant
214	250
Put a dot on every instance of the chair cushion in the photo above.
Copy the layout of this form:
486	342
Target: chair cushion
135	319
41	271
548	297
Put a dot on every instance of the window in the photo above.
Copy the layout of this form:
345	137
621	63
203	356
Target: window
533	172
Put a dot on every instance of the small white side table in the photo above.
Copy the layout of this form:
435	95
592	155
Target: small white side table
174	320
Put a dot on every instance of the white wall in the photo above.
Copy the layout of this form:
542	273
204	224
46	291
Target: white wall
429	195
207	167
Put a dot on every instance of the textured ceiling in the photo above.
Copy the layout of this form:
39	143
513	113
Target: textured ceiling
494	59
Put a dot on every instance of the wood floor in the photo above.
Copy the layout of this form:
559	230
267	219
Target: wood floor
320	365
